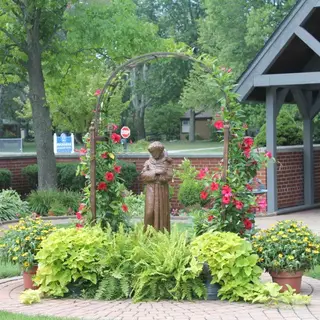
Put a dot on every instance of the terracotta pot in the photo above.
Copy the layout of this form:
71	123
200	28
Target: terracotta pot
291	278
27	278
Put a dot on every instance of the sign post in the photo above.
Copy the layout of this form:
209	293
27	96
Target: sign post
125	134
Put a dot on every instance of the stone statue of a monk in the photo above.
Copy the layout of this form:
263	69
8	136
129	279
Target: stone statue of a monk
156	174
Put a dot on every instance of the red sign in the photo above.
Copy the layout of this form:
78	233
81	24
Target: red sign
125	132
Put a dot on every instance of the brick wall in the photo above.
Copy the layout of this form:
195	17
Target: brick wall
289	170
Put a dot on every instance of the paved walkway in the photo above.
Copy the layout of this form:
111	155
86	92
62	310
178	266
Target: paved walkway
165	310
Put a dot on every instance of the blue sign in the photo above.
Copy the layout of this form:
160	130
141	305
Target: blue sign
63	143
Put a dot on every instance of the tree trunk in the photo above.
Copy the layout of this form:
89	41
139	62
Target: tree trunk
139	124
192	125
47	173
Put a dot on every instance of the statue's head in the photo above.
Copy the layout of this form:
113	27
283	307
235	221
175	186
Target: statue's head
156	149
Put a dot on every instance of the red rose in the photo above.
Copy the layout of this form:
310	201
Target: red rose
219	124
124	208
229	70
249	187
201	174
82	206
226	191
102	186
247	152
210	218
248	141
104	155
225	199
97	92
115	138
203	195
117	169
109	176
214	186
247	224
79	225
79	216
239	205
268	154
114	127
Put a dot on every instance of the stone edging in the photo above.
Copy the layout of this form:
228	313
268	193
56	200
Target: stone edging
43	218
6	280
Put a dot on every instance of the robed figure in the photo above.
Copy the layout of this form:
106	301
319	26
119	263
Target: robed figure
156	174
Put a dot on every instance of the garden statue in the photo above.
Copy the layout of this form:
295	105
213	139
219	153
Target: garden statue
156	174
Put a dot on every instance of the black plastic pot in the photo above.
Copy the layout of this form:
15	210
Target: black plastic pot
212	289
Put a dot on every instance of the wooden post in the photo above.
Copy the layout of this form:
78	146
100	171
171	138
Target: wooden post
93	172
226	137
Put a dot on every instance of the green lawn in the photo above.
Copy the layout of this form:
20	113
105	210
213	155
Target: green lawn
170	146
314	273
14	316
9	270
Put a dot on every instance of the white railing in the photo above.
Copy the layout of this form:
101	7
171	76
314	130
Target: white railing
11	145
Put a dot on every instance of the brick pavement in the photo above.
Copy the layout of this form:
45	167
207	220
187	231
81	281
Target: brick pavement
163	310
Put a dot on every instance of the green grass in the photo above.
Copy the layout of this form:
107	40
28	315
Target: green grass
14	316
9	270
315	273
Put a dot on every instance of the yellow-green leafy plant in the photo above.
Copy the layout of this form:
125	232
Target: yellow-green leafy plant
21	242
288	246
70	260
233	265
30	296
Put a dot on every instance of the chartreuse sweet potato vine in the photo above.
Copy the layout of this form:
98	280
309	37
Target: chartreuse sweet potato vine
233	266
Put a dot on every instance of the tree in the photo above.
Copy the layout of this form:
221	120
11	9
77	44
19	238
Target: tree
53	40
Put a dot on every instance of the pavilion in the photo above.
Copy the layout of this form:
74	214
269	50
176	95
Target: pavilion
287	70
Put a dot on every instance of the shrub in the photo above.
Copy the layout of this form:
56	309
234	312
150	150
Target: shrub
70	259
289	132
59	202
189	192
11	206
135	203
128	173
66	176
5	179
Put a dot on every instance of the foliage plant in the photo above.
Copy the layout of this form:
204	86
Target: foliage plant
30	297
165	269
11	205
111	208
233	265
70	259
229	195
54	202
288	246
21	242
5	178
135	204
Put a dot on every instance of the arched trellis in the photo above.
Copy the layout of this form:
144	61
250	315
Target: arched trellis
94	128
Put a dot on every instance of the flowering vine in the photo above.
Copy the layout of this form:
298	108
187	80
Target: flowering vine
229	190
109	188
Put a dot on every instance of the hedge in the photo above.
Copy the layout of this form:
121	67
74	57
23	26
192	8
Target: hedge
5	179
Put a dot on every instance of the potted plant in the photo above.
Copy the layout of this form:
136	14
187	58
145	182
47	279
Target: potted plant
287	250
20	244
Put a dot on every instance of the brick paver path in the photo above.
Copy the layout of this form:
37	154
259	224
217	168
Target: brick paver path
165	310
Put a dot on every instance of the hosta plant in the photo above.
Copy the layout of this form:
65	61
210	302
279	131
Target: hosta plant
288	246
21	243
233	265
